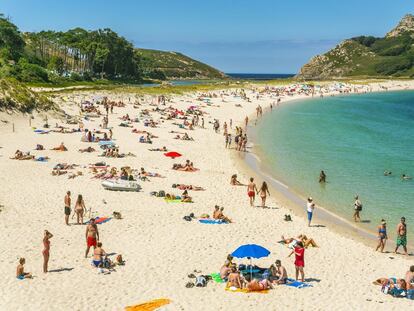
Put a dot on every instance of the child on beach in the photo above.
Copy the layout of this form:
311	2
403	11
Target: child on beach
20	274
299	252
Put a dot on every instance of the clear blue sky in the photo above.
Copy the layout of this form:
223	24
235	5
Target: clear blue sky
256	36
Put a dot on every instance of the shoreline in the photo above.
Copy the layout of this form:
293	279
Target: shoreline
252	163
159	247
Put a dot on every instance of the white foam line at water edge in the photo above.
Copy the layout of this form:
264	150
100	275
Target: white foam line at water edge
256	157
277	181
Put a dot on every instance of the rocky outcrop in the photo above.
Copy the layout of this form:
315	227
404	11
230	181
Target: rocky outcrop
338	62
405	25
367	56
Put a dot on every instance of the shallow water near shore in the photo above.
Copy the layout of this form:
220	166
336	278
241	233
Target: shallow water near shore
354	139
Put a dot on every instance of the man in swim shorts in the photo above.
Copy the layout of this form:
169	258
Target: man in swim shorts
67	207
402	236
92	236
251	191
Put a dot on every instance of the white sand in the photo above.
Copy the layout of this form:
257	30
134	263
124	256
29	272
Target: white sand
159	247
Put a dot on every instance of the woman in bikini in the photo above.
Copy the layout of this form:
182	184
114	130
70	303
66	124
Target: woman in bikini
256	285
264	191
46	250
382	236
80	209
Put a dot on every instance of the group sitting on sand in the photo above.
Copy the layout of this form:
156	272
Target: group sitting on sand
402	287
20	155
237	278
184	137
292	242
183	198
187	167
218	214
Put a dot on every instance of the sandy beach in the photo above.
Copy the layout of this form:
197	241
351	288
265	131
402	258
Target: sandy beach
161	249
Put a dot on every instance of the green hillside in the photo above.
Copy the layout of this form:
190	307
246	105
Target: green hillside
368	56
78	55
173	65
15	96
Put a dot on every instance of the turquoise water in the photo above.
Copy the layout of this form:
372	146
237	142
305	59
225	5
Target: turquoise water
353	139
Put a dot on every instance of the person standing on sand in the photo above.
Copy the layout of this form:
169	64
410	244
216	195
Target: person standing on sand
310	207
264	191
251	190
357	209
92	236
46	250
246	121
67	207
299	252
79	209
401	236
382	236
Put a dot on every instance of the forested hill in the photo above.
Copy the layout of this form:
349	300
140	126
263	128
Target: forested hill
368	56
83	55
173	65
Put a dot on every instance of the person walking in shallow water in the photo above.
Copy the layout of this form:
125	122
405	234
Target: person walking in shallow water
357	209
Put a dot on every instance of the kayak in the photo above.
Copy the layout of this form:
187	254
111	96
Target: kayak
121	185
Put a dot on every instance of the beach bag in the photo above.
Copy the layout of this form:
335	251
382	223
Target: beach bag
161	193
200	281
359	207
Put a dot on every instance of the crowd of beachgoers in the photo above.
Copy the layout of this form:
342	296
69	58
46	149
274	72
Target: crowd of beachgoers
128	173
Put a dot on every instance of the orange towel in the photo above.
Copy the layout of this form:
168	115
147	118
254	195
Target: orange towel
149	306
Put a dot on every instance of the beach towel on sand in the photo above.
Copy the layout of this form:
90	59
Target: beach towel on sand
101	220
217	278
149	306
245	290
297	284
175	201
212	221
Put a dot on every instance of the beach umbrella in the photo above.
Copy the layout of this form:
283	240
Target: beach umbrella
173	154
250	251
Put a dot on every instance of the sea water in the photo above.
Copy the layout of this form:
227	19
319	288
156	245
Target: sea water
354	139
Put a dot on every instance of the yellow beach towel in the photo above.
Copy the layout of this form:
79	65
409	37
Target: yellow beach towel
245	290
149	306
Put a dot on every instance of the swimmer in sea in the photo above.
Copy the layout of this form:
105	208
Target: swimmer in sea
387	173
406	177
322	177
